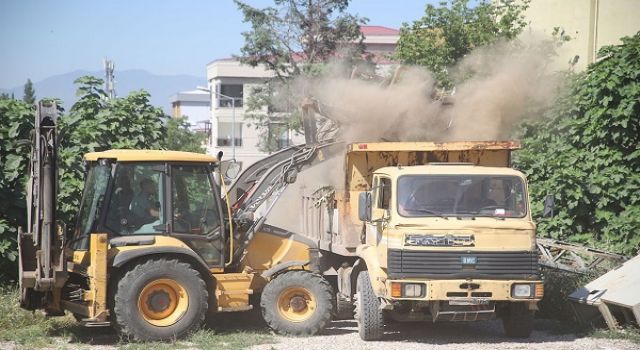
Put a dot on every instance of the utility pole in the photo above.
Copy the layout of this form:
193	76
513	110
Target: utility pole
109	81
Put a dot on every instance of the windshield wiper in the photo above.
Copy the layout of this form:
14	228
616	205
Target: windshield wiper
429	211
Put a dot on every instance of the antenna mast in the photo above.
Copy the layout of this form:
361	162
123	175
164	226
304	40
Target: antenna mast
109	82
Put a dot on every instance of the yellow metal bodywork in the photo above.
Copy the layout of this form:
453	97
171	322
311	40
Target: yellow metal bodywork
267	250
130	155
437	289
160	241
233	290
366	162
365	159
94	306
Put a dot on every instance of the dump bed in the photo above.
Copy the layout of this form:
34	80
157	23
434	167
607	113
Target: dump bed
363	159
335	223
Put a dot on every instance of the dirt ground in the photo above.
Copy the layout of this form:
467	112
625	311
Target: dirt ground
344	335
480	335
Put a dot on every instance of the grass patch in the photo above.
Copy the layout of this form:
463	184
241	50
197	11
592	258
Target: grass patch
630	333
32	330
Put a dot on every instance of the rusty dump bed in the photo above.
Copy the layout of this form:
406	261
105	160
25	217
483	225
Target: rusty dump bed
364	158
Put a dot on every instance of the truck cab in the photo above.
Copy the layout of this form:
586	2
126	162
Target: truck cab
453	242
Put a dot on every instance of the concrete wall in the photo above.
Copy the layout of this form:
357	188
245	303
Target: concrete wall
591	24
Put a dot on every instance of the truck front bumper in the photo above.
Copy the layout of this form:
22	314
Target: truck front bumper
464	290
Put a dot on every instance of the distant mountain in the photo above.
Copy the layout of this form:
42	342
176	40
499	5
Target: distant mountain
161	87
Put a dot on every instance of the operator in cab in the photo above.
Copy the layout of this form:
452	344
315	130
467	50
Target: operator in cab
144	204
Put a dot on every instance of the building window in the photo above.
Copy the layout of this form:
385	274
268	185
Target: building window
225	134
230	93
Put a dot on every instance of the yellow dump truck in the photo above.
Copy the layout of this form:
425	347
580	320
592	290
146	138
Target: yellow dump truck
429	232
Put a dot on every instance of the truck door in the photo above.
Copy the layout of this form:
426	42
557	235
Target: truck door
195	211
380	208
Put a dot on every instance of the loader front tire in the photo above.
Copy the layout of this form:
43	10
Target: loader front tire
297	303
368	312
159	299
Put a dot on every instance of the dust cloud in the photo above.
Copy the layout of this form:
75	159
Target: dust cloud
497	86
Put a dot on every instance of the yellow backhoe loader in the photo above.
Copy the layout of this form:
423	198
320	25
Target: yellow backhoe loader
158	244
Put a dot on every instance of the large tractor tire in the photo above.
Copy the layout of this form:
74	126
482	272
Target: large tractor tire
518	320
297	303
159	299
368	312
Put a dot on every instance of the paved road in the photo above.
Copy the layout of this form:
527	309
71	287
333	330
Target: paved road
480	335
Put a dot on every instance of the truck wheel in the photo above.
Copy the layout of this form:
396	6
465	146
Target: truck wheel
518	321
297	303
159	300
368	312
344	308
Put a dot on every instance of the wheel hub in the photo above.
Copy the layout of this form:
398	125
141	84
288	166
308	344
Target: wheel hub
163	302
298	303
158	301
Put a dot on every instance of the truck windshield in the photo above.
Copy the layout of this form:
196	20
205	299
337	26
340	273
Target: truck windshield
461	195
95	187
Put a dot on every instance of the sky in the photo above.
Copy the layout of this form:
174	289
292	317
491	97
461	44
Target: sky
41	38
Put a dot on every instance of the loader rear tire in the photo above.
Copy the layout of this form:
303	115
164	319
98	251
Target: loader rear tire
368	313
518	320
159	299
297	303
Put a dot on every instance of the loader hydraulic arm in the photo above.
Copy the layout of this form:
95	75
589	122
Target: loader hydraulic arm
42	265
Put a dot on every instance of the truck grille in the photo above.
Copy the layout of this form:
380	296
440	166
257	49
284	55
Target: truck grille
443	265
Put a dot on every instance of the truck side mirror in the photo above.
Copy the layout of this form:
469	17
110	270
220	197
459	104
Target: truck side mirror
364	206
549	206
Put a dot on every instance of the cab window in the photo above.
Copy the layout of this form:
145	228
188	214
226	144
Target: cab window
136	205
193	200
384	192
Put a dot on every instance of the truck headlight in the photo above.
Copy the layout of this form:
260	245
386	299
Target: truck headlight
413	290
408	290
522	290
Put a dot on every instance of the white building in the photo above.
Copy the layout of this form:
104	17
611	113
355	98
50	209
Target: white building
193	105
231	82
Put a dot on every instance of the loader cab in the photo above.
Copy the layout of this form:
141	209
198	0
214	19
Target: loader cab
143	194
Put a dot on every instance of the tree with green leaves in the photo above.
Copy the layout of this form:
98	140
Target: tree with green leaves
585	153
96	123
293	38
181	138
448	32
29	93
16	123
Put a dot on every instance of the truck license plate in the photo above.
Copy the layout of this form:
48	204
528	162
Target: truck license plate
469	301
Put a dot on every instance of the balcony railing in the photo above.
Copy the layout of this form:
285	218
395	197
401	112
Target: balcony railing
227	142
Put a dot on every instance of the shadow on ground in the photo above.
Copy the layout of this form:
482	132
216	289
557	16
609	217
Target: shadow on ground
488	332
220	324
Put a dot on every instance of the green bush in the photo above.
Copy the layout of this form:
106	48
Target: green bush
586	153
